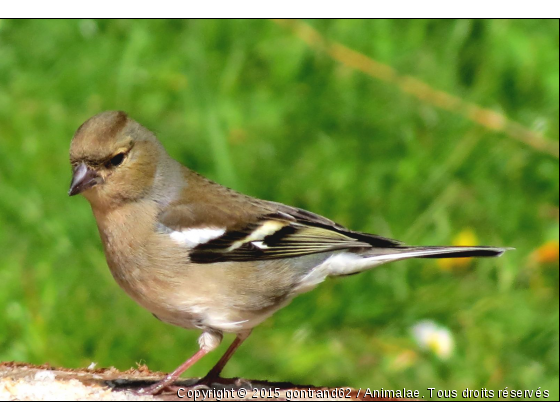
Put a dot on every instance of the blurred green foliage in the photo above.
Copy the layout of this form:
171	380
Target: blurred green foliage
249	105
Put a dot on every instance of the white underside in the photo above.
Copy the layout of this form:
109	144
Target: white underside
339	264
345	263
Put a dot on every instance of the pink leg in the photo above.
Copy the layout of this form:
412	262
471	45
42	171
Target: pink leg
212	375
172	377
217	369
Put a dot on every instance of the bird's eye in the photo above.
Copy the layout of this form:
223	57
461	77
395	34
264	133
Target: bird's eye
115	160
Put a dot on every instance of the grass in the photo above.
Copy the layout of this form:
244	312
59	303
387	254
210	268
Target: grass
249	105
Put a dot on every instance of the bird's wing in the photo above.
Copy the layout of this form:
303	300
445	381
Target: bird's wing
278	231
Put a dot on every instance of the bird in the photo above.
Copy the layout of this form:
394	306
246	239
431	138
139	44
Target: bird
199	255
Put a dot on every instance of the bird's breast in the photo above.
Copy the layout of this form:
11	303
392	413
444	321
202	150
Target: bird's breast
154	269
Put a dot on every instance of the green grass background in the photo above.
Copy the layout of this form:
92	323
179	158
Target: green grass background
248	104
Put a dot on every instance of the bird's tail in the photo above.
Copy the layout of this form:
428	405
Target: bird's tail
453	251
351	262
394	254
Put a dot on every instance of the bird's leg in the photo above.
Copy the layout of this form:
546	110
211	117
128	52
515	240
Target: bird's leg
214	373
172	377
208	341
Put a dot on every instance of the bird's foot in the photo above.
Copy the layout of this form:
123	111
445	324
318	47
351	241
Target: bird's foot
154	389
207	382
167	384
216	381
210	381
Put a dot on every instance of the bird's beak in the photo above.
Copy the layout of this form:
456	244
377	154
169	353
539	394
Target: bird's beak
83	179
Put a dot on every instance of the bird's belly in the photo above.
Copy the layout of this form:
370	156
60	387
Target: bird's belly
184	297
226	296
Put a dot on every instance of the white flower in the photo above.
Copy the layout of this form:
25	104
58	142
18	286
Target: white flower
434	337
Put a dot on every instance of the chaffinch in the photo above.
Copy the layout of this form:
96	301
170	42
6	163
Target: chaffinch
199	255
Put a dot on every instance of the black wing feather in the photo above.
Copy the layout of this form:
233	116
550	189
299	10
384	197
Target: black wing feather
298	233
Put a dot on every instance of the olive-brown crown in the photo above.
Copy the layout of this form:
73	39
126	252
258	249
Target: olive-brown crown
123	153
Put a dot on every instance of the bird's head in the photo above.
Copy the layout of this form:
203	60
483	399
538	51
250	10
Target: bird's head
114	159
